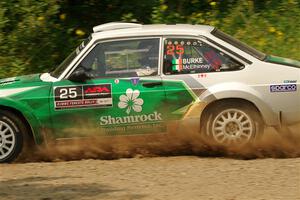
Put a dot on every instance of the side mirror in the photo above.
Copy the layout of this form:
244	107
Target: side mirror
79	76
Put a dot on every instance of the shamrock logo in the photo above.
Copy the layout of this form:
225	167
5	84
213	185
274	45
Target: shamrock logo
130	101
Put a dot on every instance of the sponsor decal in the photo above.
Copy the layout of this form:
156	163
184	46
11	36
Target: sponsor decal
132	105
290	81
150	128
189	64
283	88
188	61
97	90
130	101
152	117
135	81
117	81
69	97
195	66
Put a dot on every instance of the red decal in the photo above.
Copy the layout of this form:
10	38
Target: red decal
179	49
202	75
171	50
96	90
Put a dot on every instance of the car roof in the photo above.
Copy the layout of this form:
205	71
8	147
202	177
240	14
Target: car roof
119	29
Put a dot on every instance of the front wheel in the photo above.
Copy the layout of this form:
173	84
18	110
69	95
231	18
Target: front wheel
232	124
11	136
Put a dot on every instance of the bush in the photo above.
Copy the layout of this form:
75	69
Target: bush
35	36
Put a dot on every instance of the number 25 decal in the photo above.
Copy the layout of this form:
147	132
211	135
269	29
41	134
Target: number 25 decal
178	49
68	93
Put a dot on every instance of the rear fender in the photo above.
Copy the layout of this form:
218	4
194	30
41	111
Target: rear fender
242	91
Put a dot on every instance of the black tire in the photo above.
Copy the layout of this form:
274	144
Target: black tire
232	123
12	131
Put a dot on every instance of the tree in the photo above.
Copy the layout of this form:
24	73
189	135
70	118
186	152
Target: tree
35	36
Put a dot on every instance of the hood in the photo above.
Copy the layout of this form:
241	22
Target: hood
282	61
20	80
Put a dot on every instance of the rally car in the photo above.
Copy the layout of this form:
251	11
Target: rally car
133	79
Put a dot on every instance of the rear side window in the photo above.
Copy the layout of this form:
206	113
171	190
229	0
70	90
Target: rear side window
188	56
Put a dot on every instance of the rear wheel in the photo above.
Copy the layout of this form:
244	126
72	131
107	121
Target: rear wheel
11	136
232	124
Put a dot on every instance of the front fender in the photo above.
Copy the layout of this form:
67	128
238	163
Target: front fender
27	113
242	91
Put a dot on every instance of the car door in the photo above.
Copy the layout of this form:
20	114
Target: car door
123	95
191	66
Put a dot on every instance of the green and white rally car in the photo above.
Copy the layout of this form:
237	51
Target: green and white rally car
132	79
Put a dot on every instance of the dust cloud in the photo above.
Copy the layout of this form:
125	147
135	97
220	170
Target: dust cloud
271	145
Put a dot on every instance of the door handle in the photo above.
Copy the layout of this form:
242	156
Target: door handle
152	84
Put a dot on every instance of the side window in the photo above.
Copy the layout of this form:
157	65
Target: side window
188	56
125	58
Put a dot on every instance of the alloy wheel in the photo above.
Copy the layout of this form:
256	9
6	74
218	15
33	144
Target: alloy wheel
7	140
233	126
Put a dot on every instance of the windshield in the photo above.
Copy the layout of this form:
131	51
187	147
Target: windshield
63	66
238	44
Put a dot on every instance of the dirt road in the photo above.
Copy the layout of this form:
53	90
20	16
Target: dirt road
164	178
272	173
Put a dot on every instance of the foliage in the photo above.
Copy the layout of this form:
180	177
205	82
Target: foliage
35	36
269	25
